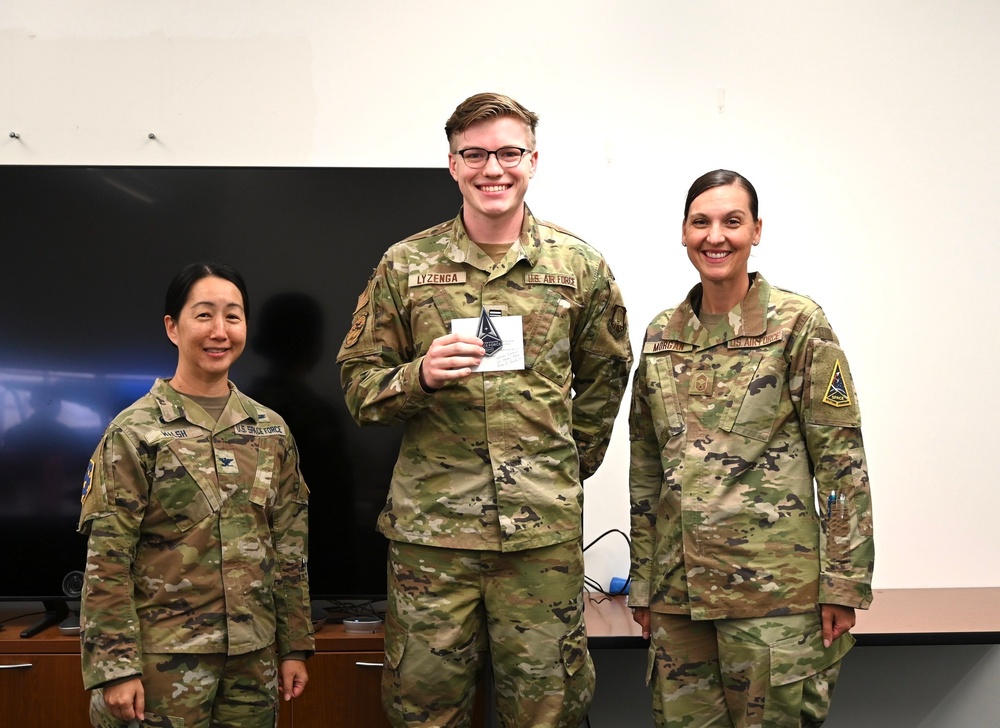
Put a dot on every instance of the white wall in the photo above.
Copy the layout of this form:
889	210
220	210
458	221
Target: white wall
869	129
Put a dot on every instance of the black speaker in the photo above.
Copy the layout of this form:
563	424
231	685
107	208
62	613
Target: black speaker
72	584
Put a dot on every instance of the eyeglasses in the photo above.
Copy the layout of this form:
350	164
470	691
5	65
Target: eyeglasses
475	157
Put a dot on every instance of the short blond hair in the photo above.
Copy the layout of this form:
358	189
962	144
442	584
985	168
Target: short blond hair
488	106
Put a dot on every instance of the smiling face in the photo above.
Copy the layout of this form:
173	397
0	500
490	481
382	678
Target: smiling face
210	333
719	232
493	195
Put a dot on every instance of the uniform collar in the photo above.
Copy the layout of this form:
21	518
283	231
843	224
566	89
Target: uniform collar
462	249
748	318
175	406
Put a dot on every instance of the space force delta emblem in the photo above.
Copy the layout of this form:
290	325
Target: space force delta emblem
88	480
492	342
836	390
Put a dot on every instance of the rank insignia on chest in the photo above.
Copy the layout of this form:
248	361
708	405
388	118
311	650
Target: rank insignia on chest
702	383
492	342
836	391
226	462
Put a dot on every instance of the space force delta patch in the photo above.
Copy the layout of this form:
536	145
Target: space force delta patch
836	391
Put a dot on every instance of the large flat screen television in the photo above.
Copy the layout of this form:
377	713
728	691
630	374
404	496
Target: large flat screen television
87	253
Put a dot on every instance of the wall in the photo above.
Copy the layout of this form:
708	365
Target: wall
869	130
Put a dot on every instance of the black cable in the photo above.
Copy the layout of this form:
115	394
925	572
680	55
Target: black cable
609	531
595	586
341	609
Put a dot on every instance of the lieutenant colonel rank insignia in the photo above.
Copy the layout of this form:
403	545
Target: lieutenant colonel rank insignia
492	342
836	391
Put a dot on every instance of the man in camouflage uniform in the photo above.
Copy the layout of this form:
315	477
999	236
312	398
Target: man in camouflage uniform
733	571
485	505
196	580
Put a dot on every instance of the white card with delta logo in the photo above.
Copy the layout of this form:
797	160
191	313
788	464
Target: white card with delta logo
510	354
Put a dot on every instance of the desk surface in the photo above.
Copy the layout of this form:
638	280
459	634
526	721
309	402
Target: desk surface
896	617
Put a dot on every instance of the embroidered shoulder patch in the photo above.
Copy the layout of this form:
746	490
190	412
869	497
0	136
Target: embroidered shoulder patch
357	328
616	323
836	392
88	481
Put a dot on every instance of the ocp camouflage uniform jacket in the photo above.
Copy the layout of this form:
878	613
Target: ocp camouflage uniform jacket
495	462
729	427
197	536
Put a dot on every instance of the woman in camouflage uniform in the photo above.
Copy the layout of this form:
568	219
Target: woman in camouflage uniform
195	609
743	410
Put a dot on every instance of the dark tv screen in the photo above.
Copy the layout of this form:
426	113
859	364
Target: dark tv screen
87	255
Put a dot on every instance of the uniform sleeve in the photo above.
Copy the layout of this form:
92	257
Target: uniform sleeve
831	420
601	357
645	481
291	535
379	372
116	491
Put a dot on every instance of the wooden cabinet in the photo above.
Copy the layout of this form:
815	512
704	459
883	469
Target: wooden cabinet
344	690
40	681
46	690
345	682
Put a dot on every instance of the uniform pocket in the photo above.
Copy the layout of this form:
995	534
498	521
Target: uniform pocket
186	495
573	649
395	642
430	318
756	398
547	346
157	720
862	492
262	493
664	405
801	657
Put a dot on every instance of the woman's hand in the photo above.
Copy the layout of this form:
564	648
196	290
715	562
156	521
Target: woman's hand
837	620
641	617
126	700
292	679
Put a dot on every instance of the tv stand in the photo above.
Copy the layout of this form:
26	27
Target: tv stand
56	611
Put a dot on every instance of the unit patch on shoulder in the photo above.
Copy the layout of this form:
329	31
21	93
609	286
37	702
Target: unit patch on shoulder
362	300
616	323
357	328
87	481
836	392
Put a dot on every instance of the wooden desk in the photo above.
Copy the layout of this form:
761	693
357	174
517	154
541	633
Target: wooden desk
45	689
41	684
897	617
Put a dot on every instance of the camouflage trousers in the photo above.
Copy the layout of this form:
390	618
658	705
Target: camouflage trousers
768	672
202	691
451	610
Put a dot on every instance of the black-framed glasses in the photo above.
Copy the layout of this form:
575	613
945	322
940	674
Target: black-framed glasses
477	157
